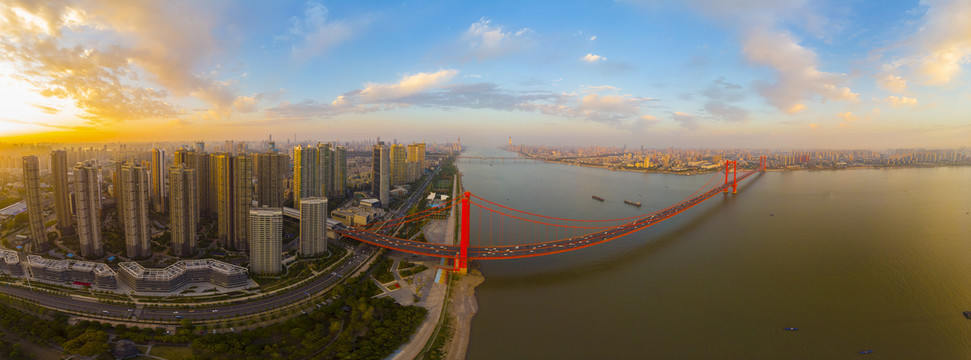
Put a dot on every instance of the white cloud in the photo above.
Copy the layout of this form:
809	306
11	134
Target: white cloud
314	34
591	58
847	116
593	37
944	39
798	79
407	85
485	41
900	101
892	82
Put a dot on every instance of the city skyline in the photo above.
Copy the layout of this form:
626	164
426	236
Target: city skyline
700	73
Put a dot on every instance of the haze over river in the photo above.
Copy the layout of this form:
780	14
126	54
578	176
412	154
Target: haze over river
856	259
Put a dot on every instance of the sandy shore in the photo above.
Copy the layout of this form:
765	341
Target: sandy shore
462	307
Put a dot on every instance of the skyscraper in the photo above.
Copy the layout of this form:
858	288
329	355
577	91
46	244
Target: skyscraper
380	172
306	174
326	160
234	176
200	163
62	197
133	210
399	170
35	208
158	180
340	174
269	179
266	244
87	206
183	209
384	191
313	226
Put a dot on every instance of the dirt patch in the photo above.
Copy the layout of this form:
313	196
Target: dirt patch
462	308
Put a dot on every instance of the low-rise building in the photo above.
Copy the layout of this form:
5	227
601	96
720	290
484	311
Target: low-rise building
10	263
71	272
358	215
175	276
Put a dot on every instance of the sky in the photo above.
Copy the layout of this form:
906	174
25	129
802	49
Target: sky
693	73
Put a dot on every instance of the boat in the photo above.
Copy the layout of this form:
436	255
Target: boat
792	329
967	314
595	197
635	203
864	352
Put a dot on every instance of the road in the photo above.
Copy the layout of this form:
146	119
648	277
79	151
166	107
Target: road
187	312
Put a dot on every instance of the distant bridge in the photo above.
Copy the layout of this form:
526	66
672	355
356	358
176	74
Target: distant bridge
501	159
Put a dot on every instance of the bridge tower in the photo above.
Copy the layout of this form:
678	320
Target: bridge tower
763	163
462	262
733	166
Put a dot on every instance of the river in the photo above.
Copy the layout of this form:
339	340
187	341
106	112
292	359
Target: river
856	260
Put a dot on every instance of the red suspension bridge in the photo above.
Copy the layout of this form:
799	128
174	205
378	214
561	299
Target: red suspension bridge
506	233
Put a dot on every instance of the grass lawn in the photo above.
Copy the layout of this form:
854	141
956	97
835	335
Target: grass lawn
172	352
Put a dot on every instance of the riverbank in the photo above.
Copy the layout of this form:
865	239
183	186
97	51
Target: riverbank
462	308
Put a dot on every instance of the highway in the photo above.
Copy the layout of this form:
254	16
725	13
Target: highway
530	250
187	312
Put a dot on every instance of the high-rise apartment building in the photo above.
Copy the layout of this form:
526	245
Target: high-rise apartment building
158	180
62	197
200	163
325	156
306	174
381	172
340	174
266	243
133	210
384	191
399	170
313	226
183	209
269	179
234	176
35	208
87	205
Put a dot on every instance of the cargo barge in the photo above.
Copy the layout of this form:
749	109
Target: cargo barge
595	197
628	202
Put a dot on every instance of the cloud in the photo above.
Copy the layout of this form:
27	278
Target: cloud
798	79
892	82
726	112
944	40
146	52
900	101
407	85
765	42
587	88
721	90
813	126
686	120
485	41
315	34
434	90
591	58
847	116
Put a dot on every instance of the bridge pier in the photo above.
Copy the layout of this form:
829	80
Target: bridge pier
462	262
